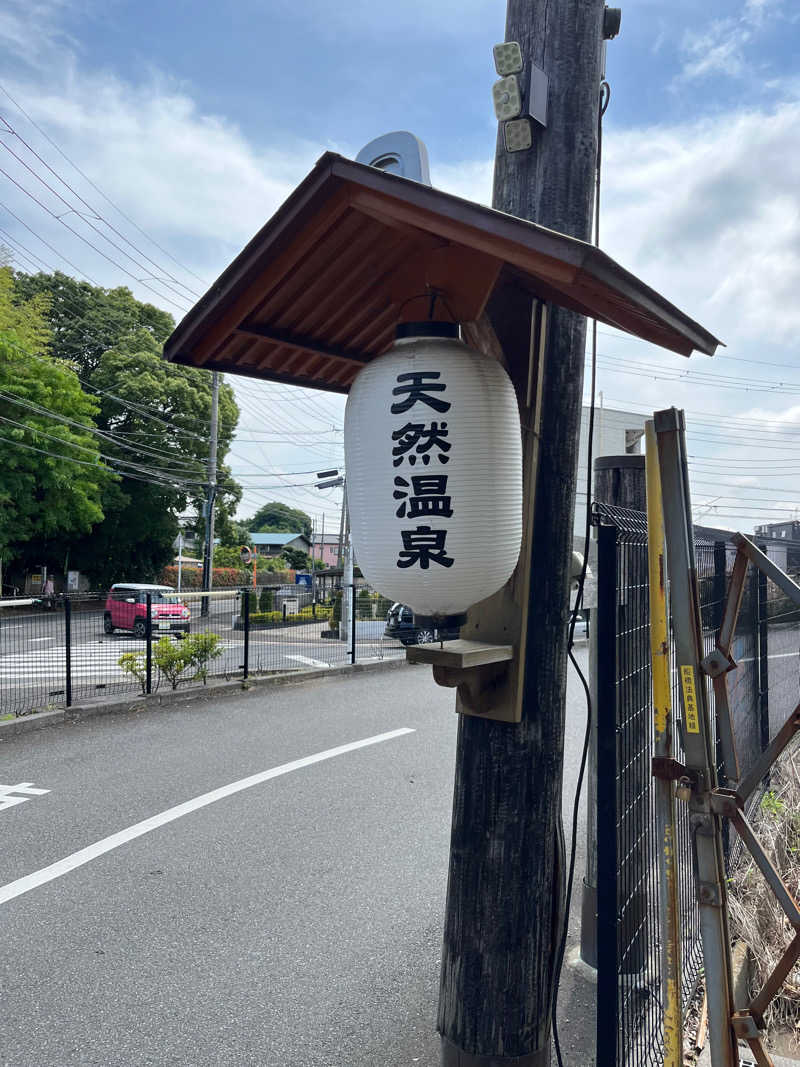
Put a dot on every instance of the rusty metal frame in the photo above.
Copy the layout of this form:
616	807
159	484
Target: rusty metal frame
729	803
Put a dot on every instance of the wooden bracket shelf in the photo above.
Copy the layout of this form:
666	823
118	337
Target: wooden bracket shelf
478	670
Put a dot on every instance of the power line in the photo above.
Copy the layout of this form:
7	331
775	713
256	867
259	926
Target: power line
98	190
80	236
89	223
47	244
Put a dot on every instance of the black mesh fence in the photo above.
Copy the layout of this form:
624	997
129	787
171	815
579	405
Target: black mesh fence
66	650
763	689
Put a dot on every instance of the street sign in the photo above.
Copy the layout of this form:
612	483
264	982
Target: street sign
302	579
245	555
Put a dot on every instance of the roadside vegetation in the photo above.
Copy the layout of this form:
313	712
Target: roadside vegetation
175	661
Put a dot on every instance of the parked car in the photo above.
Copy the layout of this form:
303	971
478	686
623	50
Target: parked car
402	624
126	609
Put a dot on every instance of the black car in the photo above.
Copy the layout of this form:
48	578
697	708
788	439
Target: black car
408	629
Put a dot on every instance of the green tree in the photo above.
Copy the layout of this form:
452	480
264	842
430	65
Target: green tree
275	517
296	559
87	320
52	477
167	467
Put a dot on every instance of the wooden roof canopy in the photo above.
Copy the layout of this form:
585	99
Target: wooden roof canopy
354	251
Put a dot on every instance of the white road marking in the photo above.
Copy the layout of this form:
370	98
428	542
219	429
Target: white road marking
773	655
8	799
310	662
107	844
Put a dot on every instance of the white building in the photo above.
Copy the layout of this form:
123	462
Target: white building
615	434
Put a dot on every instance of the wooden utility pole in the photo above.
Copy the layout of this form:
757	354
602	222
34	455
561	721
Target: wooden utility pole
506	882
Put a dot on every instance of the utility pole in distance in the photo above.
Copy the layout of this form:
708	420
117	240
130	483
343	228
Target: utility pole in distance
211	492
507	869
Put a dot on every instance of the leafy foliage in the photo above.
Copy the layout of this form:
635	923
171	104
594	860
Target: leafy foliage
275	517
160	411
43	496
225	556
87	320
296	559
174	660
134	663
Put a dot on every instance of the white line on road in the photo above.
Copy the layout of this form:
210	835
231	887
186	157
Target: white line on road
773	655
107	844
307	660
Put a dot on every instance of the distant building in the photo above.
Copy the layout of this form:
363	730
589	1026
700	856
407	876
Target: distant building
782	543
272	544
328	552
615	433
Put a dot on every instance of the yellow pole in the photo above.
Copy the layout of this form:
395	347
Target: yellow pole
662	722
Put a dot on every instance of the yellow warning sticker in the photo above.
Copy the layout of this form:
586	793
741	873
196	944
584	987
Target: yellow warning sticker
691	715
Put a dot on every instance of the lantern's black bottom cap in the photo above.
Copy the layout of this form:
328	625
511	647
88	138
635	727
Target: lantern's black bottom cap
426	329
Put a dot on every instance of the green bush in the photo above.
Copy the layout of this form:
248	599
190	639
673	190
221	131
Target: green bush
173	660
266	602
193	653
336	611
253	597
134	663
303	615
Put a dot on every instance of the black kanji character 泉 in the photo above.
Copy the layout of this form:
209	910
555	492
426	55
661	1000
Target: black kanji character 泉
418	390
424	546
427	497
421	438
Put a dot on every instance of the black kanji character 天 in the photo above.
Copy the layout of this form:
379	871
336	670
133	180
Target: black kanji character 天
421	438
418	390
427	497
424	546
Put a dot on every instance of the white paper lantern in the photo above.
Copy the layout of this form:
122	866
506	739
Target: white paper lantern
434	473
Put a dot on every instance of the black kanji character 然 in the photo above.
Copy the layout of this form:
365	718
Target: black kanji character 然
417	390
424	546
422	439
427	497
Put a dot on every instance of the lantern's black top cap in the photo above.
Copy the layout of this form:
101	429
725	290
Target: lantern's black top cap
426	329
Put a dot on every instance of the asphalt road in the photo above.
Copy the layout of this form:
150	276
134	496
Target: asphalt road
292	918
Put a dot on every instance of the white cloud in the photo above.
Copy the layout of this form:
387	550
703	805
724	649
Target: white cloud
708	213
180	172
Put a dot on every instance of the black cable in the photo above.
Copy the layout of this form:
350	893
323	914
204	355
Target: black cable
605	97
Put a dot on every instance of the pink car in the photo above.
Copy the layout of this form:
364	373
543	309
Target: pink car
126	609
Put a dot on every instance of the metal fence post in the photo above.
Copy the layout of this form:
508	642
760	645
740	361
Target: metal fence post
605	624
68	648
148	636
353	622
246	620
708	859
717	613
763	658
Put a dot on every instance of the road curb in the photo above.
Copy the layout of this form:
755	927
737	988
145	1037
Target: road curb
180	697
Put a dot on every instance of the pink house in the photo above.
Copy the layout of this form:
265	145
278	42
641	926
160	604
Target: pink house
328	552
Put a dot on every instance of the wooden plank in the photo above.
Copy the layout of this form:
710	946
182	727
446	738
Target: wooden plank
299	342
459	654
249	298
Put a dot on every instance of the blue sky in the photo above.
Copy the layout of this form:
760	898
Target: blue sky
198	119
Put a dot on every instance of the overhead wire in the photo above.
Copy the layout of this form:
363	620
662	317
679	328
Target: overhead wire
73	210
81	237
98	190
